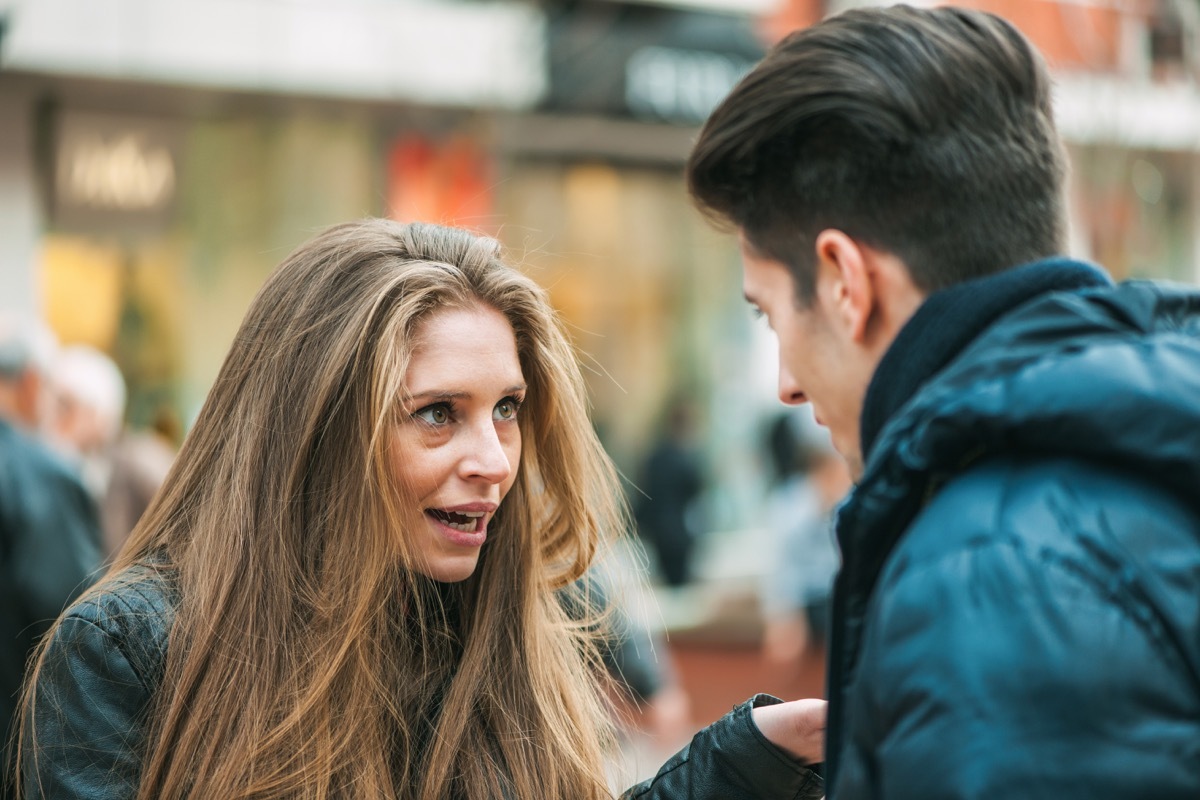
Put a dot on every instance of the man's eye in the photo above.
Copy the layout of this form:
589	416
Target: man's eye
434	415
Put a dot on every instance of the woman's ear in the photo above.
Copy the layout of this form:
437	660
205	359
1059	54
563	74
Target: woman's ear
844	282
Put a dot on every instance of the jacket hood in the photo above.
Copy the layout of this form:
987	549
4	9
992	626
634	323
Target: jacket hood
1109	374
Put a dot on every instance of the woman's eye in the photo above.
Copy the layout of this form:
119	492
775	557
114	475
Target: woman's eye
434	415
506	409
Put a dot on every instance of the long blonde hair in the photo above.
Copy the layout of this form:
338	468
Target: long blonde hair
326	666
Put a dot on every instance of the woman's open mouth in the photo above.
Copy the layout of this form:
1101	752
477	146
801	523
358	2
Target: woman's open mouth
464	521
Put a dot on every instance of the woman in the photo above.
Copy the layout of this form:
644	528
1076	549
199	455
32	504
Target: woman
349	584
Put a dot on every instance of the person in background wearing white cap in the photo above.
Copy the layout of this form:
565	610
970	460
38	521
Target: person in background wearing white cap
121	467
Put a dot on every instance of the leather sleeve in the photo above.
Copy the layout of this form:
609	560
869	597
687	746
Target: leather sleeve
731	759
85	738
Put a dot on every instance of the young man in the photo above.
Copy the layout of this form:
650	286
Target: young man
1017	614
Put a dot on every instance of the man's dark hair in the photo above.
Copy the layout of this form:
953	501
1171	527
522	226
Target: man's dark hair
925	133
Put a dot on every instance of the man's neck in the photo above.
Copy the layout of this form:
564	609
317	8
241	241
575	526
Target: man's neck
951	319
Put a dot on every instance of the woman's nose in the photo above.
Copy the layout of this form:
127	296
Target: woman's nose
487	457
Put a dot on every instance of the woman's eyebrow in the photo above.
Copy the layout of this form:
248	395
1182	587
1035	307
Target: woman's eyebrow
444	394
440	394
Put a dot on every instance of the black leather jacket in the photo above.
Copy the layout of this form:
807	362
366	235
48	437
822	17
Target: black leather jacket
107	658
731	760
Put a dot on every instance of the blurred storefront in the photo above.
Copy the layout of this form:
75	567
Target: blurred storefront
160	228
161	221
165	159
592	193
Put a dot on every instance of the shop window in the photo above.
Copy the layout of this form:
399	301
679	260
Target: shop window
123	300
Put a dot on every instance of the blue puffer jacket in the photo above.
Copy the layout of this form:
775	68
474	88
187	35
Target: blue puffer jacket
1018	614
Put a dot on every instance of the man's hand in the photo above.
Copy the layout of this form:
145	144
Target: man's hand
797	727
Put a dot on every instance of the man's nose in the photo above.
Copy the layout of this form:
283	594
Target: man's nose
789	390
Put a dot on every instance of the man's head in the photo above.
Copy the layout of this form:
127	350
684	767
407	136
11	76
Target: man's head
883	154
90	393
27	350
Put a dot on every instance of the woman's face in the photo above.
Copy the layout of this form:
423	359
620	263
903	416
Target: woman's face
457	446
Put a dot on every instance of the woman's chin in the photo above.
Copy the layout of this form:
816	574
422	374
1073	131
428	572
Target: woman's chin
451	570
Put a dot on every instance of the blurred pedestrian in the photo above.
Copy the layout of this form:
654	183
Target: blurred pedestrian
1017	613
809	480
670	480
122	467
89	412
139	463
350	584
636	655
49	537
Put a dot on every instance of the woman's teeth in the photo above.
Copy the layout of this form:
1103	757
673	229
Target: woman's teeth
464	521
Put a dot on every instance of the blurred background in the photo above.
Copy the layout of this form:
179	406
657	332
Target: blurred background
159	157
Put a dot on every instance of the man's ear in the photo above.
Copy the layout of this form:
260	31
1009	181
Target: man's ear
844	281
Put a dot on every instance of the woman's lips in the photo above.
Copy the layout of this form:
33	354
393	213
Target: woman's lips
464	528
